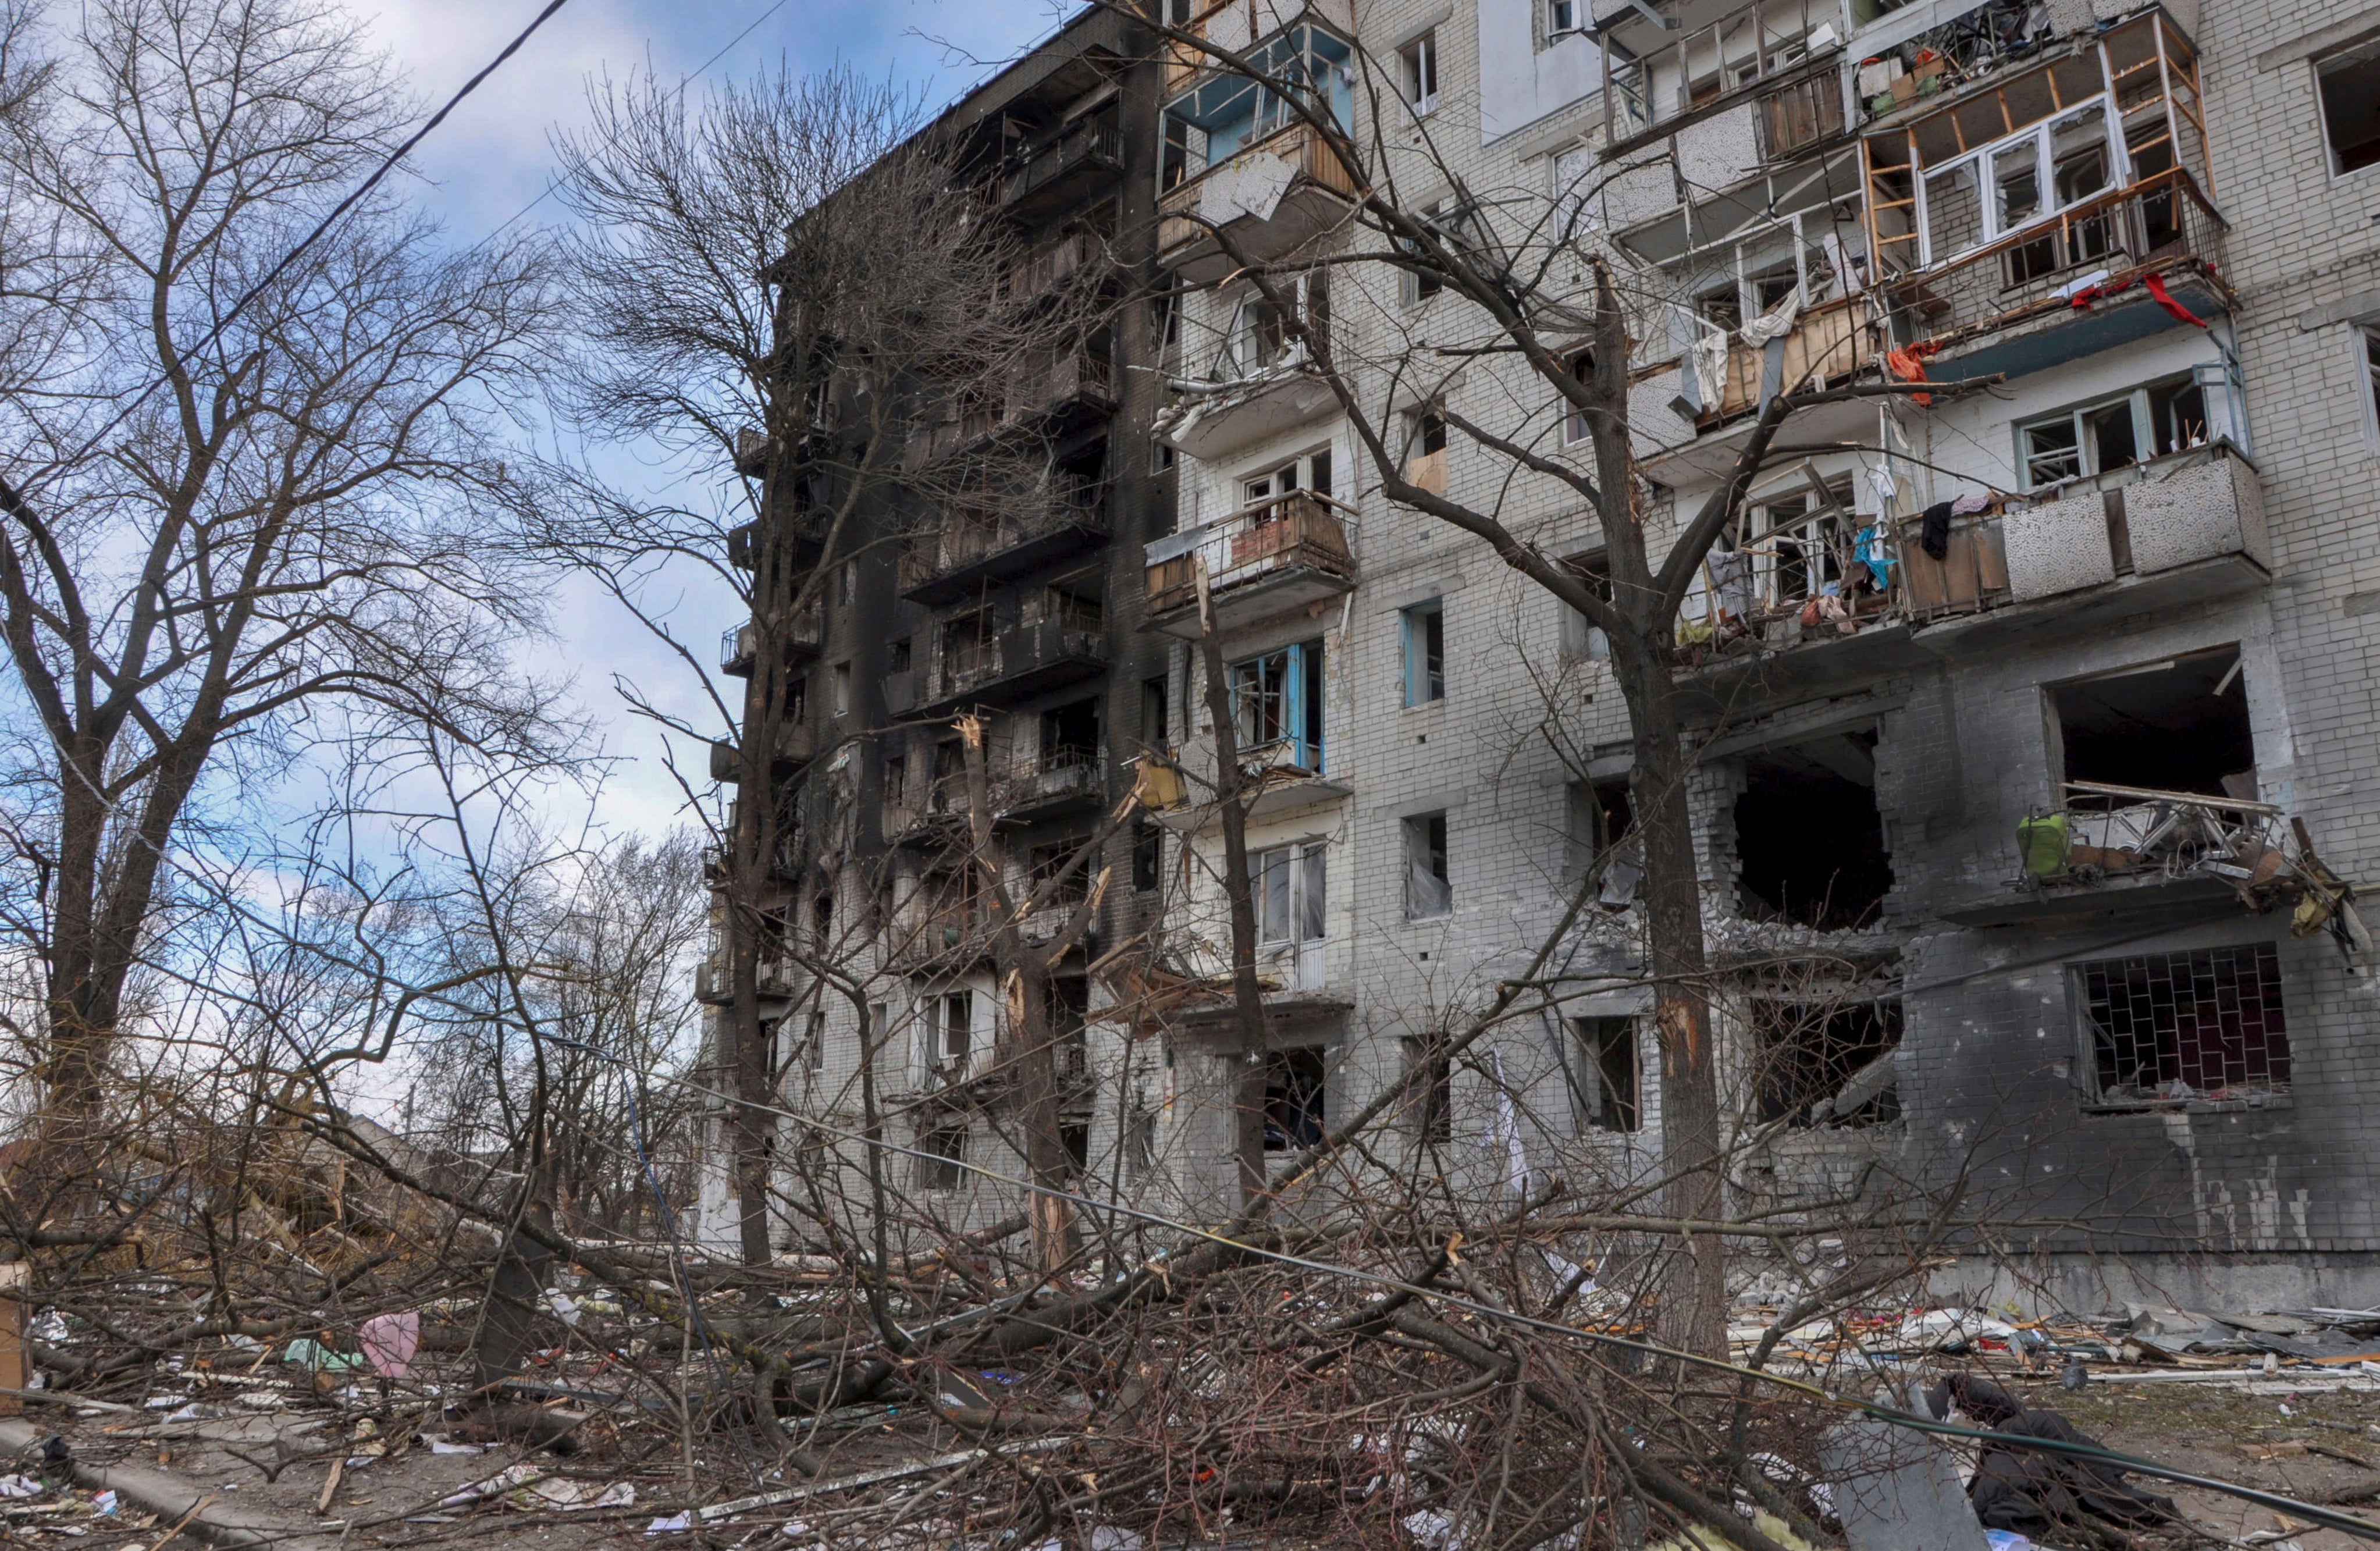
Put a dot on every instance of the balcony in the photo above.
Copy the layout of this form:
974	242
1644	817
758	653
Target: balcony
801	640
1273	198
1028	660
772	977
1047	268
797	746
1061	781
1675	63
2074	285
1221	419
2111	848
1059	386
1270	559
1302	983
806	536
1827	344
970	553
1079	161
2159	537
1277	778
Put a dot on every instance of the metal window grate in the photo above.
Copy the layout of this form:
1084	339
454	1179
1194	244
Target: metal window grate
2187	1026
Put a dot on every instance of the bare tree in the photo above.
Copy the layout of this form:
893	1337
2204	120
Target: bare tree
795	282
249	503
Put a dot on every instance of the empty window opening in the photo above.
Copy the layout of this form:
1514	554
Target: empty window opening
2178	1026
1575	424
1073	884
1428	891
1424	627
1294	1088
1580	637
943	1165
2349	85
843	689
1606	1077
900	656
1432	1091
896	782
2370	341
1148	856
1070	735
1070	1022
1140	1141
1827	1063
1598	833
1075	604
1419	63
2179	725
1076	1137
1425	451
969	644
1156	730
1808	836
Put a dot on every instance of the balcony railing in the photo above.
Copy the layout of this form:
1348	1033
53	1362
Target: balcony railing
1828	343
1659	79
737	644
1034	530
1309	153
1039	654
1093	145
2116	832
1292	542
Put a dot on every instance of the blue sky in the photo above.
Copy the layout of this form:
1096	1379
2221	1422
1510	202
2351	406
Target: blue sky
492	158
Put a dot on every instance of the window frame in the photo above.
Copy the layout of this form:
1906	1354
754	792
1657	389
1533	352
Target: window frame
1417	63
941	1162
1244	355
1983	161
1421	629
1294	690
2366	337
2088	1085
1591	1045
2140	399
1304	879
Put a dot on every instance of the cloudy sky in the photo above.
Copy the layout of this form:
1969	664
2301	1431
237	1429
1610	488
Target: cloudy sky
492	158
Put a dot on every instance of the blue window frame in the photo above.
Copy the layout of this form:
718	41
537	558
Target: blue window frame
1214	122
1424	652
1277	701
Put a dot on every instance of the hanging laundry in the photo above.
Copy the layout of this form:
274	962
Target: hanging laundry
1935	539
1706	358
1888	489
2156	284
2079	292
1969	505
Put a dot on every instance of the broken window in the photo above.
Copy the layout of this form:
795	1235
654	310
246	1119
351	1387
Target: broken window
2349	86
1073	604
1574	426
1266	331
1808	837
2369	339
1804	546
941	1163
1827	1062
1801	114
1424	630
1070	1022
1139	1140
1231	112
2167	416
1277	706
1598	826
899	657
896	782
1428	891
2168	1026
950	1031
1432	1090
2179	725
1295	1087
1311	472
1606	1079
1291	884
1070	735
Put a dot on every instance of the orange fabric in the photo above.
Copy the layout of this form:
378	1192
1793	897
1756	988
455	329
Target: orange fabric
1908	365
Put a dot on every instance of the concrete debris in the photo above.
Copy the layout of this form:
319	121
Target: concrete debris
1897	1490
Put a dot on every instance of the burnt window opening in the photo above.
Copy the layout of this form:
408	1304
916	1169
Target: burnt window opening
1076	1137
1808	837
1294	1099
1070	1023
2166	1027
2179	725
899	656
1156	730
1827	1063
1598	826
1148	856
1070	735
1609	1080
1432	1093
941	1165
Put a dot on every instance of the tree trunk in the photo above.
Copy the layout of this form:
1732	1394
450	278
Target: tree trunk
1694	1309
1247	997
1048	1163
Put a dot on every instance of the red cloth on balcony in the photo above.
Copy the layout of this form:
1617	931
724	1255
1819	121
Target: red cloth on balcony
2156	284
1909	365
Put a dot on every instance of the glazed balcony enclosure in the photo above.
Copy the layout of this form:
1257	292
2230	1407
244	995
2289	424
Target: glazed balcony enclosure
1267	559
1236	154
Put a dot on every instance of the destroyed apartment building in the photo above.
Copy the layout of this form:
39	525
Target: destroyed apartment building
2031	723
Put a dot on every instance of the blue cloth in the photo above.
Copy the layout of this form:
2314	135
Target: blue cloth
1868	547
